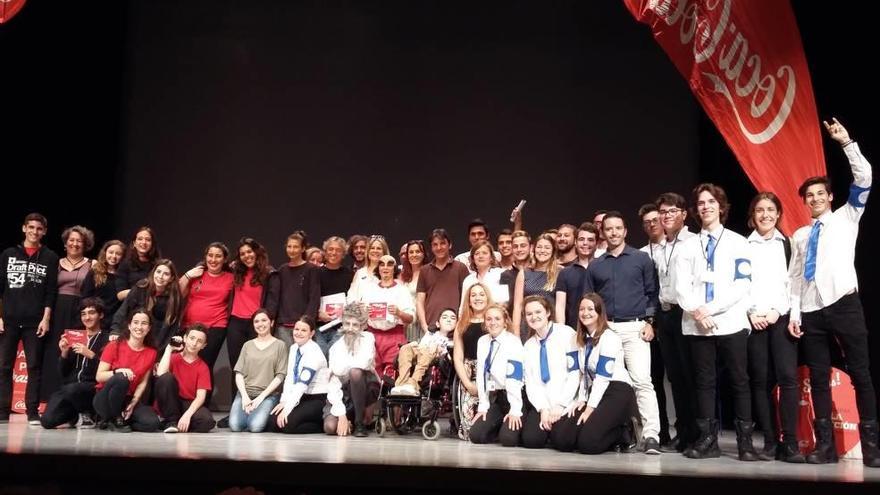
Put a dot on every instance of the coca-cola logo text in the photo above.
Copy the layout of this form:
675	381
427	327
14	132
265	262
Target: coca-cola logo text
706	26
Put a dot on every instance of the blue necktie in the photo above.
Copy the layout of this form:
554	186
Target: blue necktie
487	366
710	259
545	367
812	247
299	356
588	375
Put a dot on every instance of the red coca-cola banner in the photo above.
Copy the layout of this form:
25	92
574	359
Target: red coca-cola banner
8	9
745	63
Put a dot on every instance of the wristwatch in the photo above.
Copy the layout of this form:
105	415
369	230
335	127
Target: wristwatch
649	320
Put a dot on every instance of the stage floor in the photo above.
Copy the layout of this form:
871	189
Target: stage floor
222	448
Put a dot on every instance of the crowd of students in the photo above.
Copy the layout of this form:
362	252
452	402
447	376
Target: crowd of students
559	340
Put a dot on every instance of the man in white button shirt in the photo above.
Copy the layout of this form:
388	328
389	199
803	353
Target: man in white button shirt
825	300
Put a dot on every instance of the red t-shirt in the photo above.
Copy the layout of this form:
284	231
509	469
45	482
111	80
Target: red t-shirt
190	376
30	251
119	355
247	298
208	300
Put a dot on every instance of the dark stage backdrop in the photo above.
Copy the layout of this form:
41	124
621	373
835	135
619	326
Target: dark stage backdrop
259	118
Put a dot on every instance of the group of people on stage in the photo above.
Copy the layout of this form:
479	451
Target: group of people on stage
562	339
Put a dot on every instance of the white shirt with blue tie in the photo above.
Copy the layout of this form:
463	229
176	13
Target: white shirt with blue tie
835	271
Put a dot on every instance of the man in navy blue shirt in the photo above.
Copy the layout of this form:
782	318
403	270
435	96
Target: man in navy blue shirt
627	281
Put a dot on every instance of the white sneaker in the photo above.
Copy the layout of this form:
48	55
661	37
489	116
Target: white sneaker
407	389
171	429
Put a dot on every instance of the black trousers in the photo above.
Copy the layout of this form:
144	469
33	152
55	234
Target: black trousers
33	348
773	355
493	428
238	332
733	351
676	351
67	403
533	437
604	427
845	321
172	406
306	417
111	400
216	337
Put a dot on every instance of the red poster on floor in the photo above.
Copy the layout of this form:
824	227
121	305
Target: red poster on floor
19	381
844	414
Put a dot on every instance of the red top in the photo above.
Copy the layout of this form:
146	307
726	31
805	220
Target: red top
208	300
119	355
247	298
190	376
31	250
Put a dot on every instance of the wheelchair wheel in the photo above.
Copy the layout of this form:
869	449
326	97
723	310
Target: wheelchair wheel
381	427
431	430
464	408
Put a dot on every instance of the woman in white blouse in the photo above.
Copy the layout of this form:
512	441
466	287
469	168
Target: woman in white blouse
353	384
551	375
485	269
606	401
390	308
300	409
366	275
770	346
499	381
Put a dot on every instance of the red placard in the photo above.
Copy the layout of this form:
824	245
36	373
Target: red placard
378	311
844	414
74	336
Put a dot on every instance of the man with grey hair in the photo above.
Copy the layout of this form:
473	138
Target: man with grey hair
335	281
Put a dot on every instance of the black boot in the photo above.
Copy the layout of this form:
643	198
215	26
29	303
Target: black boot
771	447
868	432
744	440
825	451
706	445
789	450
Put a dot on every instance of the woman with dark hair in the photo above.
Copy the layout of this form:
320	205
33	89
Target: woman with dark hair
301	407
390	309
606	401
412	261
72	271
100	282
550	376
294	290
159	294
143	252
207	288
259	371
122	376
772	351
251	273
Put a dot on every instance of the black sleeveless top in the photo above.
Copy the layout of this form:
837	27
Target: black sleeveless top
470	337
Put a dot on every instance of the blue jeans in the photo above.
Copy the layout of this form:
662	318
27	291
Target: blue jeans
254	422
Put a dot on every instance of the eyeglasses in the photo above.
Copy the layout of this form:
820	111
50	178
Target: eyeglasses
651	221
386	263
670	211
377	237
